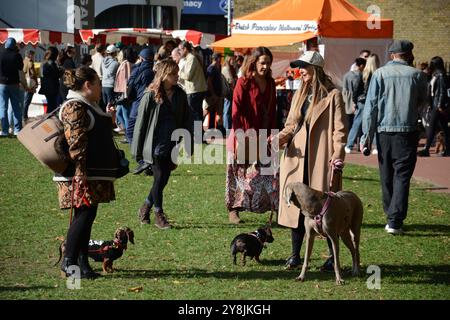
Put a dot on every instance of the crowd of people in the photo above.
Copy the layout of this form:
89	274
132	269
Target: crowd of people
152	95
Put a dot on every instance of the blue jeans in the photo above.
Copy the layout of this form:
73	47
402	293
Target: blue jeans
26	103
13	93
122	115
227	114
356	130
107	95
132	120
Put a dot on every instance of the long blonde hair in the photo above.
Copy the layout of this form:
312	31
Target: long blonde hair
162	69
319	87
372	64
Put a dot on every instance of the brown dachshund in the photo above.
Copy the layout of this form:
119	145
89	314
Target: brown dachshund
106	251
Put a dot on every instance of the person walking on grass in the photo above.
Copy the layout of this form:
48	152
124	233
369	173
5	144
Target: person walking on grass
163	109
396	93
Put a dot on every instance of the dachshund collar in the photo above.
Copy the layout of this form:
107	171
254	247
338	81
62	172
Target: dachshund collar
118	245
257	236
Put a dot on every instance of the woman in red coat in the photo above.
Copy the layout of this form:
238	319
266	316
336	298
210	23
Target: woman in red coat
249	187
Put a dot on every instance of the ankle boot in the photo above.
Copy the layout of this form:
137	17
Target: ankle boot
144	213
85	268
65	264
161	220
233	217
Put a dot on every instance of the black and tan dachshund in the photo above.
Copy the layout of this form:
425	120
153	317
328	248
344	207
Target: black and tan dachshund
106	251
251	244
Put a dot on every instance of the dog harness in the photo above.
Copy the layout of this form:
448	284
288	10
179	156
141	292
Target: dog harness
318	218
336	166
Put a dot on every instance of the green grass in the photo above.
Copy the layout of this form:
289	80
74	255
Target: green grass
192	260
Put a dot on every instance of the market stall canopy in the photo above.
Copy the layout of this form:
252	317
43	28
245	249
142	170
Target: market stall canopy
290	21
36	36
142	36
125	35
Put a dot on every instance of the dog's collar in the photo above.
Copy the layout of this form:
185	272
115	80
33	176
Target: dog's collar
257	235
118	245
318	218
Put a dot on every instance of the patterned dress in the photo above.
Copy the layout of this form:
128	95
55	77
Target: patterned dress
76	123
248	186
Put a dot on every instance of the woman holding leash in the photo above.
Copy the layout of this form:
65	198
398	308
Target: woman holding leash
88	181
163	109
314	138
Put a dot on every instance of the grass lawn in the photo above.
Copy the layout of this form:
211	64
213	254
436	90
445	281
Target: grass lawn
192	260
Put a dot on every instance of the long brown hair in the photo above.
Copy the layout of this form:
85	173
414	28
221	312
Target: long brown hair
319	87
162	69
249	65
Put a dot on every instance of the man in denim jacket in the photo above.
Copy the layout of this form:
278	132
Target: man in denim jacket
396	94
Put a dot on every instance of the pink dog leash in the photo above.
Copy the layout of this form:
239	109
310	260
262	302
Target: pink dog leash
337	165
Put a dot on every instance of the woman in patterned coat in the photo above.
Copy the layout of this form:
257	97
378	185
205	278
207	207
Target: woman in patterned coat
89	178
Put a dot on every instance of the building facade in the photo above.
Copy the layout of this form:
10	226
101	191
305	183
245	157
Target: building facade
424	22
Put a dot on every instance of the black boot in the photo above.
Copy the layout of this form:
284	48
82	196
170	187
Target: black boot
85	268
65	264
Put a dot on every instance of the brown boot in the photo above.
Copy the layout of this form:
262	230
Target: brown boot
144	213
161	220
233	217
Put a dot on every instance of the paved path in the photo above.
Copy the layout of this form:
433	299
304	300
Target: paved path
434	169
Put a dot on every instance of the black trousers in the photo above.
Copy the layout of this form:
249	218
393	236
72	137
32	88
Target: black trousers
79	231
397	156
161	168
438	118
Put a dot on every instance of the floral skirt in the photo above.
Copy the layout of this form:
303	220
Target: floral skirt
247	189
99	192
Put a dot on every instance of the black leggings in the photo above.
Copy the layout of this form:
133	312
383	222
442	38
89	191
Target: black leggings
298	234
437	118
79	231
161	168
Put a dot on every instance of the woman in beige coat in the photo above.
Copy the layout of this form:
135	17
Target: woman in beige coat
314	136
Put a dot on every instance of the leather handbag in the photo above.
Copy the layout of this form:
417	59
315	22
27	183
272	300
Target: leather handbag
44	138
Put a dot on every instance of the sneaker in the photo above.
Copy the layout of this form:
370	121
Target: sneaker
374	151
347	150
445	153
328	266
161	220
2	134
144	213
423	153
141	167
293	262
393	231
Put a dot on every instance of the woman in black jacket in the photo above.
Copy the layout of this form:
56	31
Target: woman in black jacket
50	78
439	104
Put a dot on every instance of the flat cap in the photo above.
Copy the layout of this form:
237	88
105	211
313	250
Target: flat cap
401	46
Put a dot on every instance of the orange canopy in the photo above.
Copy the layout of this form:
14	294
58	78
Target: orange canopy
289	21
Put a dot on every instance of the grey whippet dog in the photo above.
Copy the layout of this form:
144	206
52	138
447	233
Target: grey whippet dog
332	215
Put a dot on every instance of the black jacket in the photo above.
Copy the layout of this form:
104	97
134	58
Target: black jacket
50	78
10	64
440	96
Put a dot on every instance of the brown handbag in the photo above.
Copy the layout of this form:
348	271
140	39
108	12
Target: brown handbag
44	138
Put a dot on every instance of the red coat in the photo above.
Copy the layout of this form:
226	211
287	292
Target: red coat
250	106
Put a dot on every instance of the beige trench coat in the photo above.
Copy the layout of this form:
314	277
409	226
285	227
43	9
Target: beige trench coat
327	138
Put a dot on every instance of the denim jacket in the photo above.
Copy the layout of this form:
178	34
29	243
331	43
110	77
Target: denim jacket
396	94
